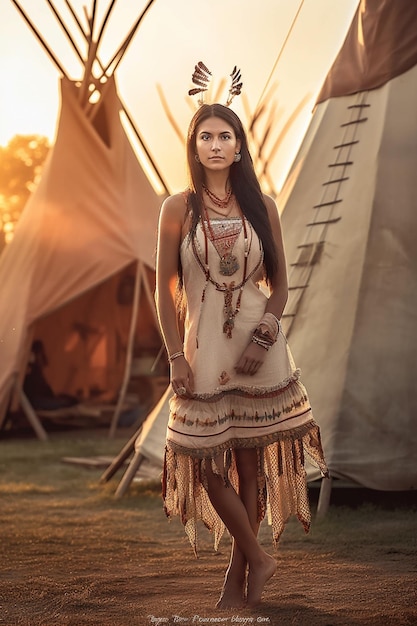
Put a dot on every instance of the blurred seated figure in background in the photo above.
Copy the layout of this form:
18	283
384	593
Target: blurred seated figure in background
37	389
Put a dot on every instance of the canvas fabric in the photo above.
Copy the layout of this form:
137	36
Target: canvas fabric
380	44
93	214
353	330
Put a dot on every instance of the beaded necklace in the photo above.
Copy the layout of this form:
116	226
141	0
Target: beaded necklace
228	289
222	203
224	243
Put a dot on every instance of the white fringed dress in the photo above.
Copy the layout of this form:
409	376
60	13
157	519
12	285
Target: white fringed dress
269	411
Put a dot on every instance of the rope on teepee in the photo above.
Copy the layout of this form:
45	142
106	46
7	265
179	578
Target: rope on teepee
280	52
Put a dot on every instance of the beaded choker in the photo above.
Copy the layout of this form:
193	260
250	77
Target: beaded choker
222	203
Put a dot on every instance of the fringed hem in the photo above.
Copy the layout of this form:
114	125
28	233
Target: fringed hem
238	442
281	478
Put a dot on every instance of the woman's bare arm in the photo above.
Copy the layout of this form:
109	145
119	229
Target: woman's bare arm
170	229
254	355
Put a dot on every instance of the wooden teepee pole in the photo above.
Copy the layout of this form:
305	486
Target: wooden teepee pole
91	57
40	39
117	57
76	18
65	29
122	104
106	19
129	349
123	455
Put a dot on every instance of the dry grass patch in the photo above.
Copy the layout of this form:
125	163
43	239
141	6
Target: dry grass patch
71	554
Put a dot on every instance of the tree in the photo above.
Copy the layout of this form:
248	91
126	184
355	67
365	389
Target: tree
21	163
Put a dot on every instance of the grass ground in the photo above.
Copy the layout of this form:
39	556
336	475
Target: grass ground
72	554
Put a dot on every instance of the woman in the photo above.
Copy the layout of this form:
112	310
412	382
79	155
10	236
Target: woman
239	417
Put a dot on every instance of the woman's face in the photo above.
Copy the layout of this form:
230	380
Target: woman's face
216	144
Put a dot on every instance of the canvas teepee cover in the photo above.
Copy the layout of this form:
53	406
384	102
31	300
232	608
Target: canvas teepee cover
349	221
93	214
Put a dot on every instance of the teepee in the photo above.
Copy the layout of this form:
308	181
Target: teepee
80	266
349	223
349	220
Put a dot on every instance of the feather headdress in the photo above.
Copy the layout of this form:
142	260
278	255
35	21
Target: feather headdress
202	76
236	86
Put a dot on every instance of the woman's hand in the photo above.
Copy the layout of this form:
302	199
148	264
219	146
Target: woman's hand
182	380
251	360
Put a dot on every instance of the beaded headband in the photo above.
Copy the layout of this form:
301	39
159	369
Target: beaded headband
202	76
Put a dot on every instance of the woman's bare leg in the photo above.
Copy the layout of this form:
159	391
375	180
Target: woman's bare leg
246	549
234	588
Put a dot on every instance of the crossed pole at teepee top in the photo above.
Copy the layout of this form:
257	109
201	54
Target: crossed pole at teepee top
91	83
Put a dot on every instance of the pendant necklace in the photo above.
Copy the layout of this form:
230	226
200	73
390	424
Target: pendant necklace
228	289
224	240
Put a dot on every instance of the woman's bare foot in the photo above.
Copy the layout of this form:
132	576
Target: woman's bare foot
232	595
258	577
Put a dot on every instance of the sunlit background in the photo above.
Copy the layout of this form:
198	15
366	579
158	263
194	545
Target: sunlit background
283	47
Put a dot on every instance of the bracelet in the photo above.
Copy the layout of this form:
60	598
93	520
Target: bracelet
272	324
176	355
278	321
268	328
264	344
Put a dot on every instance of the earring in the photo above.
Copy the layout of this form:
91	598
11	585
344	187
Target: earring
197	158
237	158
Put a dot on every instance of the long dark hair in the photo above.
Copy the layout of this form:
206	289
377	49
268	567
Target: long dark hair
243	180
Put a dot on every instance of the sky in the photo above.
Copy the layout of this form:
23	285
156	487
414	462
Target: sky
284	49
